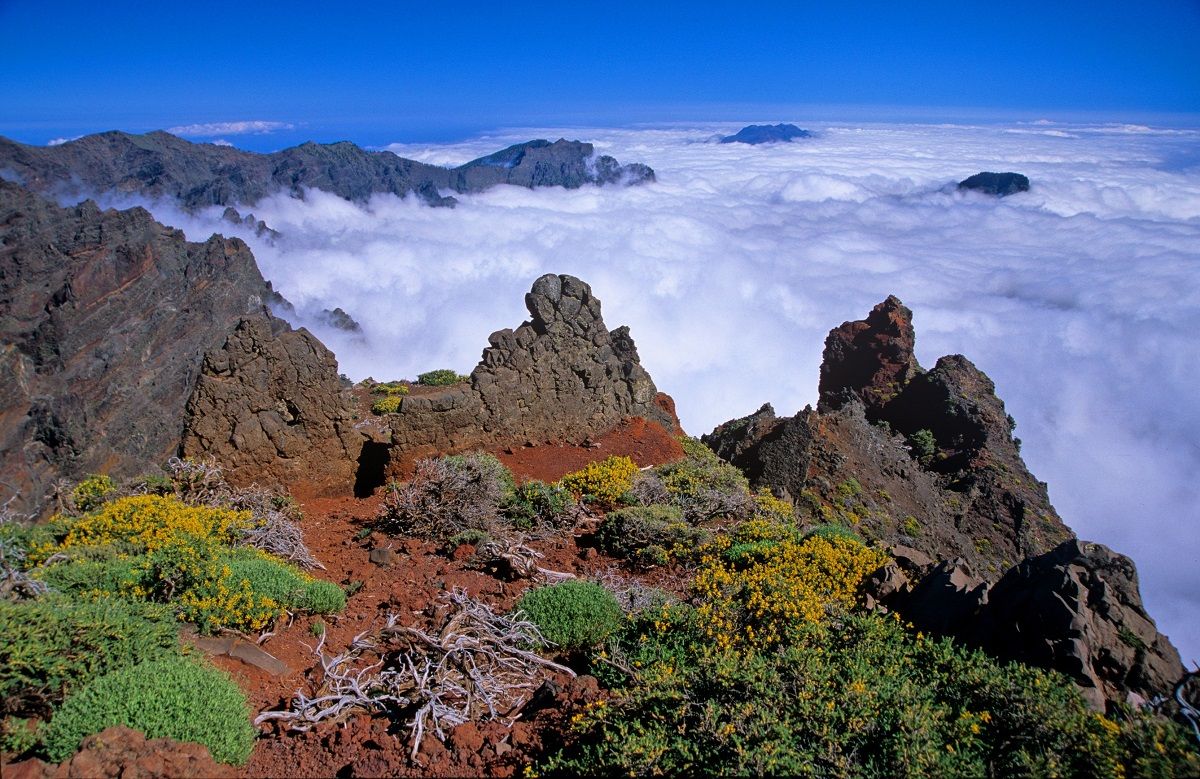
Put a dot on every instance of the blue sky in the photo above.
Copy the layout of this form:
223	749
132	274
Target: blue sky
436	71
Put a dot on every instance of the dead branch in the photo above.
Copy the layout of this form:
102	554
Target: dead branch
476	667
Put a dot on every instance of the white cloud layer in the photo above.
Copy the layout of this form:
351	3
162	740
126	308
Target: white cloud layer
1080	298
212	129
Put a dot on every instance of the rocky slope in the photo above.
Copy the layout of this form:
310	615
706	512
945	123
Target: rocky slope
561	376
104	318
158	164
925	462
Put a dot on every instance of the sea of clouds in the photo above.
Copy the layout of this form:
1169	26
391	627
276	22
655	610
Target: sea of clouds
1080	298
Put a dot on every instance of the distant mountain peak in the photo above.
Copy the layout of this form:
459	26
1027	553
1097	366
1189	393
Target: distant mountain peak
755	134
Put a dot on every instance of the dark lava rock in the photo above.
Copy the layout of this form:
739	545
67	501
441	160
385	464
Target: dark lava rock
998	184
339	319
561	377
973	498
104	320
1077	609
869	359
233	216
269	406
755	134
159	164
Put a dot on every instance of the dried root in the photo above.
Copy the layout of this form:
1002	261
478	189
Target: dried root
478	666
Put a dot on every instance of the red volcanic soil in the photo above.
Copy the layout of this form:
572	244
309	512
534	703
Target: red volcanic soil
646	443
338	532
409	584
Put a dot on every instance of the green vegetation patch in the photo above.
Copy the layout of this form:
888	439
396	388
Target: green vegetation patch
51	645
443	377
171	698
572	614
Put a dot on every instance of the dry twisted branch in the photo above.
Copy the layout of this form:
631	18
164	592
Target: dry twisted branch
478	666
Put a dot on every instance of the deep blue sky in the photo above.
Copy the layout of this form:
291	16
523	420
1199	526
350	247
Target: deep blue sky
434	70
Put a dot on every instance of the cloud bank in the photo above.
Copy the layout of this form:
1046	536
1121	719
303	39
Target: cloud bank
1079	298
213	129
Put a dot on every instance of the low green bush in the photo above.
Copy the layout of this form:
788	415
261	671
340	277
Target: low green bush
857	696
537	504
171	698
441	378
285	584
572	614
833	531
702	484
51	645
649	535
92	491
923	445
390	388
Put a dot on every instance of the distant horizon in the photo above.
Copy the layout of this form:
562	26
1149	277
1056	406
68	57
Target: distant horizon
285	134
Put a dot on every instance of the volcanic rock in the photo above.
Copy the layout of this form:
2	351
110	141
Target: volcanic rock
755	134
159	164
871	359
559	377
124	752
104	320
269	406
339	319
997	184
1077	609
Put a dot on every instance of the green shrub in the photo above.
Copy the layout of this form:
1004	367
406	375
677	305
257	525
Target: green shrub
650	535
390	388
92	491
833	531
537	504
285	584
702	484
50	645
923	445
858	696
572	614
389	404
172	698
441	378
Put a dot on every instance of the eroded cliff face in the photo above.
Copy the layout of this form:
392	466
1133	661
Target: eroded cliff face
104	319
925	462
562	376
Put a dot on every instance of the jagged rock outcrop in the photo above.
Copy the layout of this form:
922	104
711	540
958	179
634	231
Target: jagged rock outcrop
338	318
159	164
562	376
997	184
269	406
104	319
1077	609
755	134
971	497
869	359
926	463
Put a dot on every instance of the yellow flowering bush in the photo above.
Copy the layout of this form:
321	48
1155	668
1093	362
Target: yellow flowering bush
603	482
148	523
758	583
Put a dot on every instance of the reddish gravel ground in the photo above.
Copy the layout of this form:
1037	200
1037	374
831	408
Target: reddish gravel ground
336	530
409	585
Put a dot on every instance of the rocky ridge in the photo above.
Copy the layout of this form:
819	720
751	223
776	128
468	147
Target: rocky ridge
925	462
561	376
158	164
